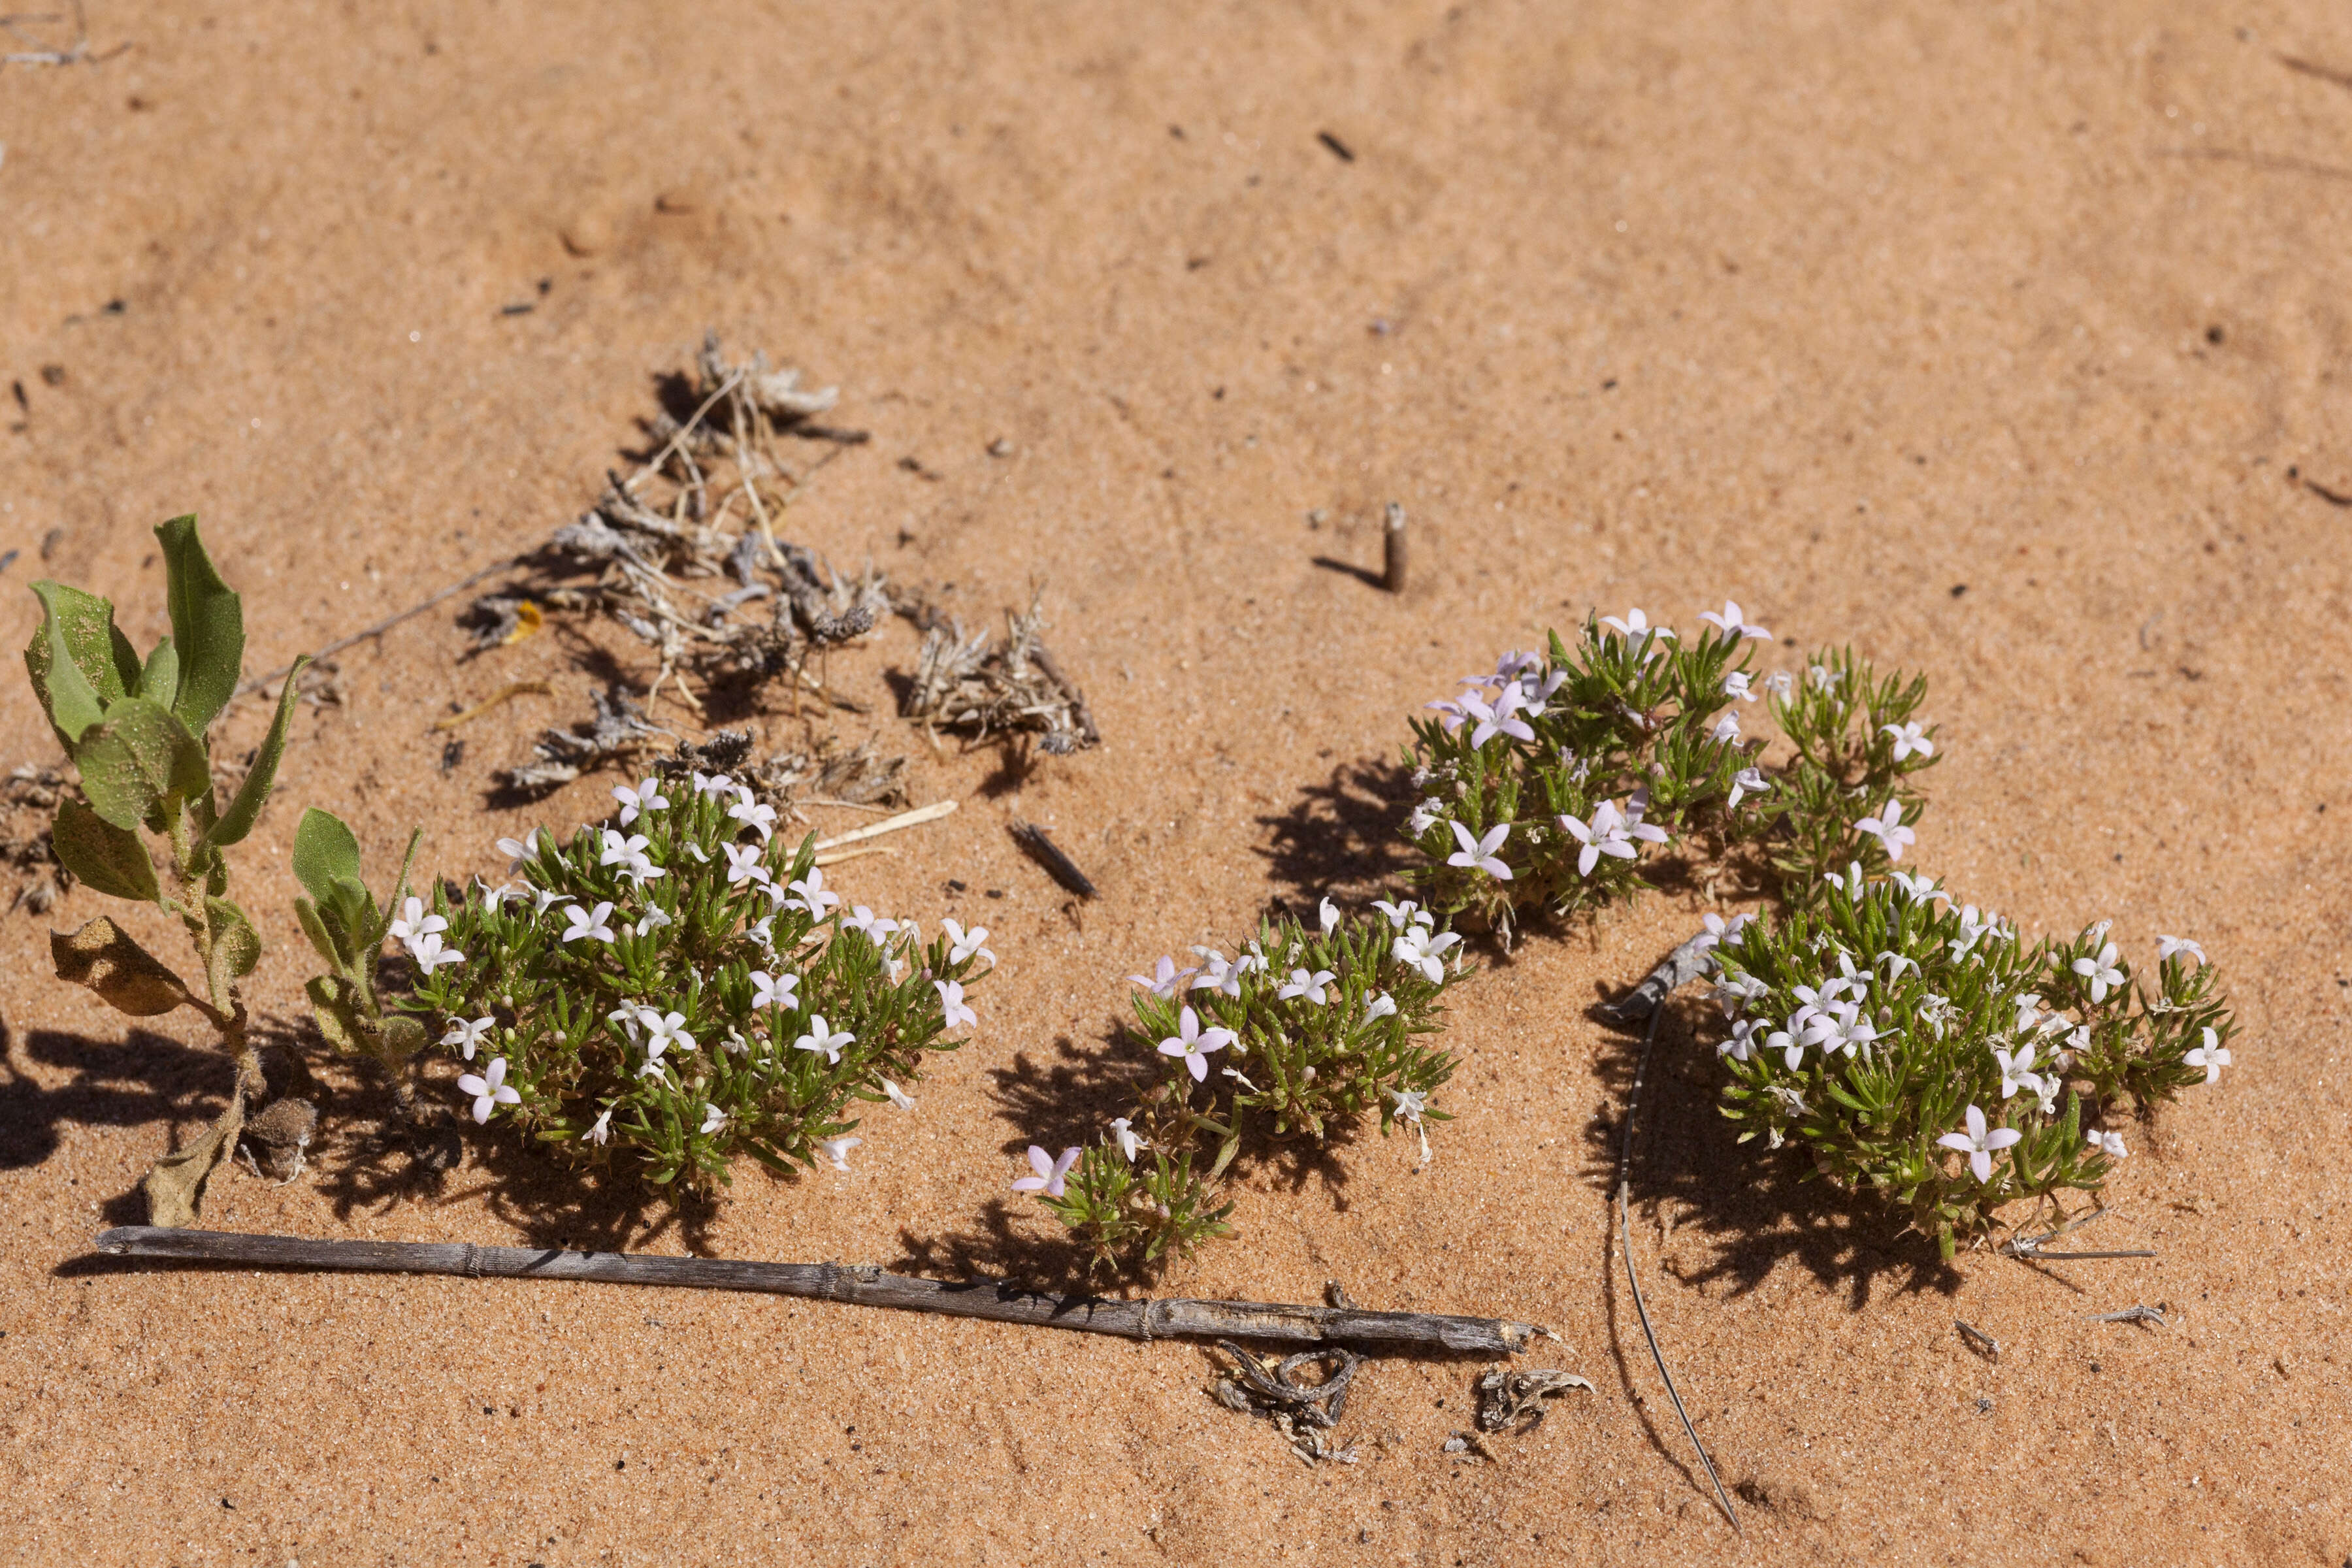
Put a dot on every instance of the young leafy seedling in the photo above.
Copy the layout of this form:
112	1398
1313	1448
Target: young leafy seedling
136	731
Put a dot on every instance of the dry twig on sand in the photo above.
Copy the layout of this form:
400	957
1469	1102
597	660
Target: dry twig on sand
1266	1322
981	686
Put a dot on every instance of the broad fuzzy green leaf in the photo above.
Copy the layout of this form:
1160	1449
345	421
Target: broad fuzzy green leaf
238	819
335	1003
136	758
111	859
325	849
78	660
159	682
316	929
207	625
236	946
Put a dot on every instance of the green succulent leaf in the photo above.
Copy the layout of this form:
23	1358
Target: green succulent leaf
136	759
79	662
207	625
238	819
325	851
111	859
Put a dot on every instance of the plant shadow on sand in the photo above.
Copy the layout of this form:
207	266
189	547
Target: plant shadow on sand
1343	838
1071	1099
1755	1207
142	1077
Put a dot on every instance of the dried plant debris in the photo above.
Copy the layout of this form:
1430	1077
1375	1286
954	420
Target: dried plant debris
1514	1401
978	686
277	1142
1302	1412
28	799
617	735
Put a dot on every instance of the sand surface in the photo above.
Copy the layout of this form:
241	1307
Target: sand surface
1998	340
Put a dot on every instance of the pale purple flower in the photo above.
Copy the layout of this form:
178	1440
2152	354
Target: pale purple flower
1611	832
1979	1145
1726	728
2212	1056
1635	626
518	851
1450	714
875	928
1192	1043
1780	683
544	901
467	1036
775	989
489	1089
744	864
1330	915
1128	1140
821	1038
809	894
1479	852
836	1151
1747	781
1310	986
1399	914
713	1119
2166	946
1382	1006
1908	738
415	922
762	930
1051	1172
1719	930
664	1030
2017	1069
646	797
589	924
1412	1102
1732	623
751	813
952	1004
2111	1144
712	786
1164	977
1735	685
1747	1038
963	943
1889	829
1419	947
2100	972
1424	816
1498	717
1215	974
620	850
428	953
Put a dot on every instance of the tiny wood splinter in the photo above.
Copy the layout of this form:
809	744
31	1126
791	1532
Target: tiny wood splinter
1270	1323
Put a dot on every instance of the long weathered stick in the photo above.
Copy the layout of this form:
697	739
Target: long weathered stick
858	1285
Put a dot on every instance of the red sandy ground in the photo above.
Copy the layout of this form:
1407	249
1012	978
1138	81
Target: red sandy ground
1830	308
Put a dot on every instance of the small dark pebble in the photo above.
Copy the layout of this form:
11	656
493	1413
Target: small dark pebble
1958	589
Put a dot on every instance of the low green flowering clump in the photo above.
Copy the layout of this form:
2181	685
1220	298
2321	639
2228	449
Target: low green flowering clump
1917	1050
665	993
1544	782
1301	1036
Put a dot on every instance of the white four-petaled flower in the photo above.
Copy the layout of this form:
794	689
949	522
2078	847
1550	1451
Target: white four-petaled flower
1978	1144
1382	1005
952	1004
1164	977
1479	852
2100	972
1611	832
2212	1056
1417	945
1051	1172
489	1089
749	811
775	989
467	1036
1306	985
875	928
1732	623
589	924
1635	626
2166	946
600	1131
1908	738
414	922
2017	1069
1330	915
963	943
713	1119
1736	685
646	797
430	955
836	1151
821	1038
899	1096
1747	781
1889	829
810	894
743	863
1192	1043
2111	1144
1128	1140
1412	1102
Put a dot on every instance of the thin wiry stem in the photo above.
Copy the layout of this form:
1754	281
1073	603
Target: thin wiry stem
1625	1230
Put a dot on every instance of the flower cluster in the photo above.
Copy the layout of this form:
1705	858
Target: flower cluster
1545	782
679	987
1301	1035
1887	1030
